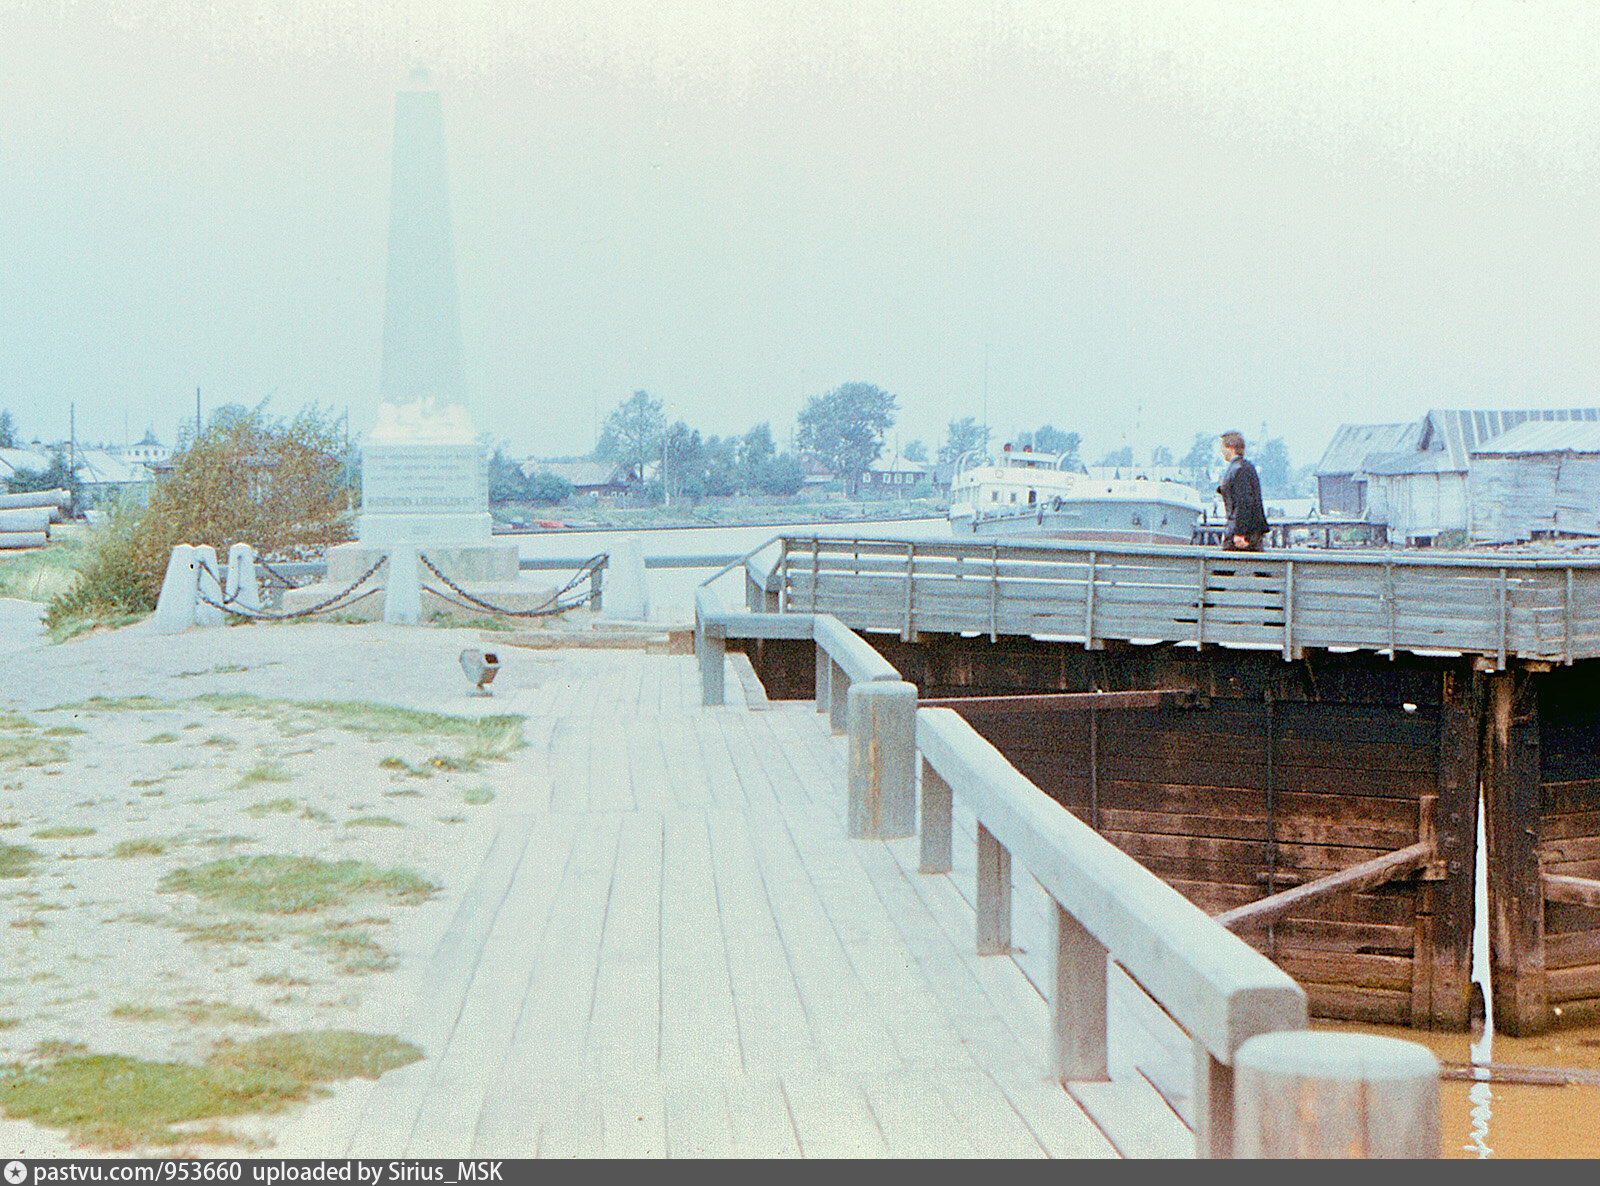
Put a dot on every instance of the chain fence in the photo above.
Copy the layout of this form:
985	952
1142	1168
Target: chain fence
347	597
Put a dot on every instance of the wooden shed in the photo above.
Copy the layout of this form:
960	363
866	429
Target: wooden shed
1541	480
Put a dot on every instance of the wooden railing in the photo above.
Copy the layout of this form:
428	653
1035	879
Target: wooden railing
1218	988
1501	604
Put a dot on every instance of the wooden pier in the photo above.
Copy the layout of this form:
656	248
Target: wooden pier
1346	710
674	949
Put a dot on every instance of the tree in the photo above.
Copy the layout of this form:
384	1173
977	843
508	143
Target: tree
1272	464
8	431
632	435
720	465
845	428
915	451
57	476
962	437
548	488
1052	440
780	476
1197	462
506	480
1160	455
1119	458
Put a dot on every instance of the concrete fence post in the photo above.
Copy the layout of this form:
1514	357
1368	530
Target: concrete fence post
402	594
882	724
1303	1094
175	606
208	592
243	588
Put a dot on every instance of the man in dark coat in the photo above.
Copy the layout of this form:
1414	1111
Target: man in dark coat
1241	498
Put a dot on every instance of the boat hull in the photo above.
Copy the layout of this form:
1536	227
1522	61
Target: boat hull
1120	522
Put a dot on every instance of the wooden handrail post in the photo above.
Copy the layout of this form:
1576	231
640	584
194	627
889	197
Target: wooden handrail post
824	685
838	697
881	770
1078	1002
935	825
1212	1106
994	895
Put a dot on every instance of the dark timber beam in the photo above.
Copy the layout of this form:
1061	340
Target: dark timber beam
990	706
1346	881
1511	830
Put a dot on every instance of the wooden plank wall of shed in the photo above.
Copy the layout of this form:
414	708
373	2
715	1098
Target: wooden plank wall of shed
1569	840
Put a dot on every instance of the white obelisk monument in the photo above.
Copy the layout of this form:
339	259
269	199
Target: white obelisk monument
424	474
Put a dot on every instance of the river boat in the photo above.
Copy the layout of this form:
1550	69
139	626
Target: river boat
1023	495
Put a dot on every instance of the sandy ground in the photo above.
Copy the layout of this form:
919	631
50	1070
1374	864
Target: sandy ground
113	795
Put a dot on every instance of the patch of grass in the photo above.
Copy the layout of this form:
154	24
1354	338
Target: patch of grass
452	819
147	782
219	669
144	846
353	952
17	860
64	731
69	626
477	796
282	806
63	832
30	748
136	703
161	739
118	1102
221	741
281	980
481	737
498	625
229	841
319	1056
10	1023
280	884
263	772
316	814
392	763
373	821
441	762
403	793
192	1013
224	934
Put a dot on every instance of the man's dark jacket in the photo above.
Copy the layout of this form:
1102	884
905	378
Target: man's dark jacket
1241	498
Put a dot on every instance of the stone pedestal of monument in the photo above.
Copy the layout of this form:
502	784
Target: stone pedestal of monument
424	481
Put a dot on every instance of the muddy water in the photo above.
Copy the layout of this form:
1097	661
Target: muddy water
1513	1120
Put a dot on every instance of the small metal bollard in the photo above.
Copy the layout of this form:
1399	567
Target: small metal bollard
481	668
1298	1093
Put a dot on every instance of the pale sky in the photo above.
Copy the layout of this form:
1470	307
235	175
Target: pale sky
1152	219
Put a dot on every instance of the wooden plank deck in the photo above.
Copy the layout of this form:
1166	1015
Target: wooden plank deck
672	949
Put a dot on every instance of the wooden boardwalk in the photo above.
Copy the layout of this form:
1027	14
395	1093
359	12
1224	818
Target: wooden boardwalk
673	950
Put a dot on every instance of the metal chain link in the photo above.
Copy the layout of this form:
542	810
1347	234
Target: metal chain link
548	608
269	616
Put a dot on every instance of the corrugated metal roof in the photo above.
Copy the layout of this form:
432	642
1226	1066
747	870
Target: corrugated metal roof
1428	461
1464	430
1545	436
1353	443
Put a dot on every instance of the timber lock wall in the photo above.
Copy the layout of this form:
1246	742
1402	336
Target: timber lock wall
1352	774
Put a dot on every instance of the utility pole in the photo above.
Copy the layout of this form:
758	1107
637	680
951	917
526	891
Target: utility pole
72	438
197	413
